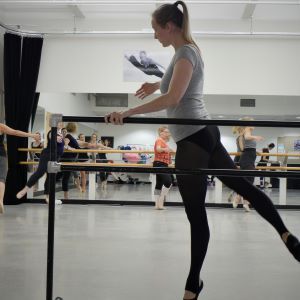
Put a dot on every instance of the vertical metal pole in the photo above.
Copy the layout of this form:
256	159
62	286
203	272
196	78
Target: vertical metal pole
51	215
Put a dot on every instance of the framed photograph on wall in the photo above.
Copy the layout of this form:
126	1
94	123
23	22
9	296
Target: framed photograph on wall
141	65
107	141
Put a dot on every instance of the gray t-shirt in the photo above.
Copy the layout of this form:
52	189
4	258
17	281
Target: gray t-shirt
249	144
191	106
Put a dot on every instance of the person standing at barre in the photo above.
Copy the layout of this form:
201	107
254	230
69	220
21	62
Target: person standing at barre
198	146
162	158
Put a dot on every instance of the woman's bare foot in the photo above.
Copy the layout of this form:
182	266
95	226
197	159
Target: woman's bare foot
292	243
285	236
23	192
189	295
77	183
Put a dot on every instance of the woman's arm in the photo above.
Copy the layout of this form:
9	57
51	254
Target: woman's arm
159	147
10	131
147	89
163	149
182	74
241	144
82	143
248	135
101	146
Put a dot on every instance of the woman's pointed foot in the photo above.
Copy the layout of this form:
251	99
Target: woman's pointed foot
188	295
22	193
292	243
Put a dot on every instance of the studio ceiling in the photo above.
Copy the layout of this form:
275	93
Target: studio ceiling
206	16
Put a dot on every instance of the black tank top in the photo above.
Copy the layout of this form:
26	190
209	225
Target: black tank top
39	146
2	149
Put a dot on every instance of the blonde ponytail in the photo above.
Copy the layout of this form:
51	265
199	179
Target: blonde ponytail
186	30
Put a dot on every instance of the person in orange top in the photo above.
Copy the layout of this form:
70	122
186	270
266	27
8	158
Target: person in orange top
162	158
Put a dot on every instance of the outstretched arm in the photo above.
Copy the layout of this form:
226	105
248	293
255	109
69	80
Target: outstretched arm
248	135
10	131
180	80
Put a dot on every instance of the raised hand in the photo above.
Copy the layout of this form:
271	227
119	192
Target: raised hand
147	89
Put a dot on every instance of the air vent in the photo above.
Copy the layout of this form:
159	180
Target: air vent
111	100
247	102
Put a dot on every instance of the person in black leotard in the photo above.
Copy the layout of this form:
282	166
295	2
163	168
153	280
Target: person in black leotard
100	158
82	157
43	163
37	144
4	129
70	143
35	156
263	162
198	146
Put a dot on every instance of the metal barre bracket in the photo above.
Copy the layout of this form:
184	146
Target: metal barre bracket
55	119
53	167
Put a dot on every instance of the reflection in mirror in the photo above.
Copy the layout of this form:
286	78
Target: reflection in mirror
116	186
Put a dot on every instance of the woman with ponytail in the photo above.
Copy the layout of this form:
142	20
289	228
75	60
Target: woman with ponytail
197	146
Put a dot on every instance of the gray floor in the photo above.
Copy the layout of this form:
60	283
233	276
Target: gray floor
130	253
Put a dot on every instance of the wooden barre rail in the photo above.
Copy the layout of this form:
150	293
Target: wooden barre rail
150	165
90	151
151	152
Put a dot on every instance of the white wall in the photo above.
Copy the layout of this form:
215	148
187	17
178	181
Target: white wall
232	65
39	123
264	105
67	104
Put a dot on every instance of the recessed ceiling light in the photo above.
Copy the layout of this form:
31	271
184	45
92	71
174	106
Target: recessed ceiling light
220	116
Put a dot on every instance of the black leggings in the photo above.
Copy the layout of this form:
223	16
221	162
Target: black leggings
103	175
162	179
247	161
41	170
205	150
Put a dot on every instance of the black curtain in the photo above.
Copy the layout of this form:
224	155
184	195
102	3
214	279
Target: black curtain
22	57
34	108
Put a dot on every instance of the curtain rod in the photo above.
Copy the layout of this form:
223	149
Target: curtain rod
20	32
146	33
101	2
